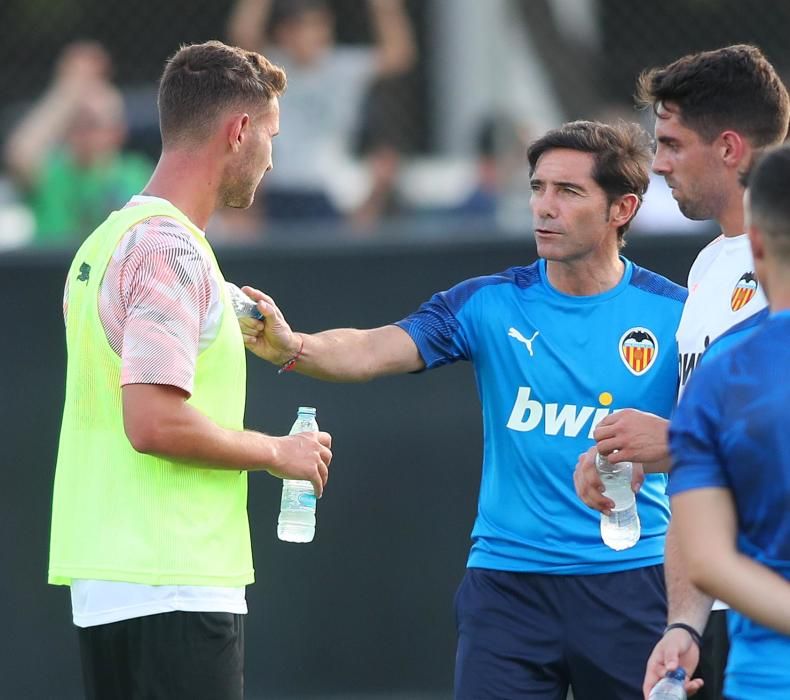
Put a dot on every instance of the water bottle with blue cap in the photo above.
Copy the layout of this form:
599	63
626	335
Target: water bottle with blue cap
297	505
671	687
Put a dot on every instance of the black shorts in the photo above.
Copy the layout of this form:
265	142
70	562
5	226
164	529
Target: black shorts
170	656
526	635
713	657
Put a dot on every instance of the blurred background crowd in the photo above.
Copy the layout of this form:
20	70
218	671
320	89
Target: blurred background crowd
402	118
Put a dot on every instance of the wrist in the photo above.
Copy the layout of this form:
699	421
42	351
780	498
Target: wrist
289	360
692	632
287	351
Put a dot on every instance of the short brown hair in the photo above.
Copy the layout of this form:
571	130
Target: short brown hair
734	87
201	80
621	155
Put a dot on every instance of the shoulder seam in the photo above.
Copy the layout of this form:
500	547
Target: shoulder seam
664	288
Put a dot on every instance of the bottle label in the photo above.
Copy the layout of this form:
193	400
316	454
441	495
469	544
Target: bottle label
623	518
307	500
298	500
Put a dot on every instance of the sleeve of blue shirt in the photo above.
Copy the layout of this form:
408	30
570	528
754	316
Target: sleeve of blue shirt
441	327
736	335
697	461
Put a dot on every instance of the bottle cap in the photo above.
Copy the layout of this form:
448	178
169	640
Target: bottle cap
309	410
679	674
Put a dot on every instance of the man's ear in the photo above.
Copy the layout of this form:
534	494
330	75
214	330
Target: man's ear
236	129
623	209
733	149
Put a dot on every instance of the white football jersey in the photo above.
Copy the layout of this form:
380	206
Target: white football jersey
723	290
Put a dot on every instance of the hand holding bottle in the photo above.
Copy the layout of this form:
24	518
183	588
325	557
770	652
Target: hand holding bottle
296	522
620	529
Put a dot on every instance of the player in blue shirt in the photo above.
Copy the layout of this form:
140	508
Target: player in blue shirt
730	481
556	346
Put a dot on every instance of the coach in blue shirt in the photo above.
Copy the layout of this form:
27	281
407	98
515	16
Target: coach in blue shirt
556	345
730	446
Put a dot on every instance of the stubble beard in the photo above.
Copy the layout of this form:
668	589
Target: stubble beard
238	195
696	209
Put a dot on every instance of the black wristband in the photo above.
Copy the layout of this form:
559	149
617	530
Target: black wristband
696	637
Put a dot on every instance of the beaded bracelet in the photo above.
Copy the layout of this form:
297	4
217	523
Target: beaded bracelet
289	365
695	636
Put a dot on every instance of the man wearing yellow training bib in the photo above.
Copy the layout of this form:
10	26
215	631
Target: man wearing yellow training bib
149	523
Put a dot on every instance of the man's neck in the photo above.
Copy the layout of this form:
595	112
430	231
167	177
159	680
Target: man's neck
731	219
585	278
777	285
187	183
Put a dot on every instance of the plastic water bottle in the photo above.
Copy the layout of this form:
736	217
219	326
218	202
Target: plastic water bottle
242	304
297	506
621	529
670	687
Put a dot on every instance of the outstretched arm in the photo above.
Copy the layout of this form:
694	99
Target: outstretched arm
339	355
707	531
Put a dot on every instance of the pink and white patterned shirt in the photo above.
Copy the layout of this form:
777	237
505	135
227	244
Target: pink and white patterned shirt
159	304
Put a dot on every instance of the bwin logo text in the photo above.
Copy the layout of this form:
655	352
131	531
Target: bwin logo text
571	419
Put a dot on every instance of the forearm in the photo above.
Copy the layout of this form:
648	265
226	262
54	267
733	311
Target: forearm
396	45
754	590
158	421
660	466
685	602
351	355
187	435
246	26
36	135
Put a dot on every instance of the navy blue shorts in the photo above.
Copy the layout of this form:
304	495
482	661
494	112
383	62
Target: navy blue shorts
526	635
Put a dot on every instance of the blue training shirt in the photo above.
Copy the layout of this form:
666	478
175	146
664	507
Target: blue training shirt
730	431
737	334
548	368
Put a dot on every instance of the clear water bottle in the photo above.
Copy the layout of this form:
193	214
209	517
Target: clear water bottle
297	506
242	304
621	529
670	687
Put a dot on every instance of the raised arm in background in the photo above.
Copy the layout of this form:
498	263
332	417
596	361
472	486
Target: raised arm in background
82	68
247	24
396	49
395	46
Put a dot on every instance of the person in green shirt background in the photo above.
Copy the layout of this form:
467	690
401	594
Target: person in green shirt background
66	156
